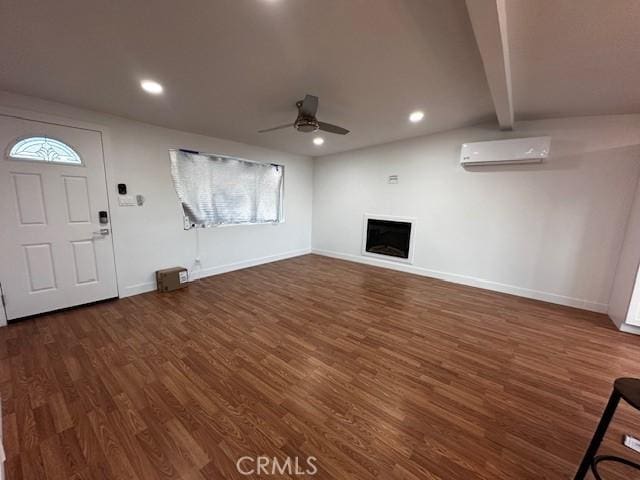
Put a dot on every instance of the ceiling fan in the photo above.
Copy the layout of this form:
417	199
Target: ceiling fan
307	121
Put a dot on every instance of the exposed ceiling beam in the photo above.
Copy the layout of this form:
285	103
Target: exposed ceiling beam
489	21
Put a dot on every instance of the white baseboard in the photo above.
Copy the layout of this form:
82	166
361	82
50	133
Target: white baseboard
471	281
137	289
207	272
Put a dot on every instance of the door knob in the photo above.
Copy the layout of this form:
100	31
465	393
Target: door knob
102	232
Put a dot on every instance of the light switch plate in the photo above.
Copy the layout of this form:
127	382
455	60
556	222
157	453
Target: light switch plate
127	201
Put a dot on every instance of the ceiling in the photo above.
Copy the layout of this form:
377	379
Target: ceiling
574	57
232	67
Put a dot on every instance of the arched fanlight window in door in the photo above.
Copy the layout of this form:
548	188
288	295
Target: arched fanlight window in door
44	149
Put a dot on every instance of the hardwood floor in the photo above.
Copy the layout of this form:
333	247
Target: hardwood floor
376	373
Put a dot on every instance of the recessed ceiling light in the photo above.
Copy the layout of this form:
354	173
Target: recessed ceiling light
318	141
416	116
151	87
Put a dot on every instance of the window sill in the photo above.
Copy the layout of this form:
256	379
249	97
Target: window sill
227	225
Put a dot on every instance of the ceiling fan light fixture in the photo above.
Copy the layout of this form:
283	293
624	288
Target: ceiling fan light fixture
318	141
306	125
306	121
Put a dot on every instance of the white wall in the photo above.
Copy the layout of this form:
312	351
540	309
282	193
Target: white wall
152	237
625	281
551	231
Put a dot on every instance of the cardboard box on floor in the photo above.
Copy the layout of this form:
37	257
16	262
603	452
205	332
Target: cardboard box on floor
170	279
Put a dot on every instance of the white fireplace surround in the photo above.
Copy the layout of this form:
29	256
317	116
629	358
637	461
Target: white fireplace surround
412	238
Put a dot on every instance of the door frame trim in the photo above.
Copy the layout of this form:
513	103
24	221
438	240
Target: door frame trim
109	175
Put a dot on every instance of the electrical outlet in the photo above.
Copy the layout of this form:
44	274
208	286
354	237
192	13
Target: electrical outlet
632	443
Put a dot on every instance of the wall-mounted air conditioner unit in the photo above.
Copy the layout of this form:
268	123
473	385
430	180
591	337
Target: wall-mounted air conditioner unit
515	150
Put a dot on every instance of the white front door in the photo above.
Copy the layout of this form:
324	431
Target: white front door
54	252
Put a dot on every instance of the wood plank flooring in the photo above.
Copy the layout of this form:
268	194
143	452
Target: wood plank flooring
376	373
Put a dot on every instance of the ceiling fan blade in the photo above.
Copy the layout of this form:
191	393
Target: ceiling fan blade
327	127
309	105
275	128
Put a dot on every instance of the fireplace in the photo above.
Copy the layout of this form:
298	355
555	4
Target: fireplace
388	237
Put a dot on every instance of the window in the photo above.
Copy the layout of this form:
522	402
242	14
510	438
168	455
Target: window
44	149
220	190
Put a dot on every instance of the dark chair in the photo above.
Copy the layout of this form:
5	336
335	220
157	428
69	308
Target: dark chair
629	390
